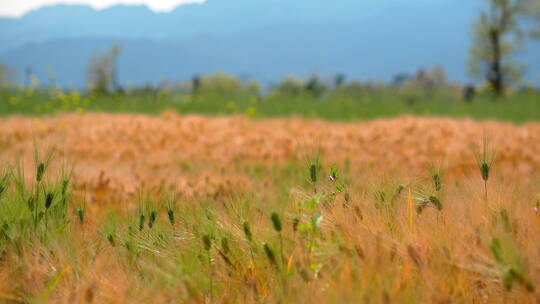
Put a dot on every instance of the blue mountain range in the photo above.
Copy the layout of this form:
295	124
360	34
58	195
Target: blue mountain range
260	39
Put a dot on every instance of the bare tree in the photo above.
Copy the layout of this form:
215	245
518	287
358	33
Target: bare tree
102	71
498	34
536	28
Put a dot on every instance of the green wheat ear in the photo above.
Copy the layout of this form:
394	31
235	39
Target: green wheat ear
111	240
141	222
314	166
225	246
436	177
207	242
510	273
276	221
152	219
41	165
4	182
170	214
80	214
247	231
436	202
313	173
295	223
40	171
505	217
484	170
31	203
170	202
270	254
437	181
486	158
49	198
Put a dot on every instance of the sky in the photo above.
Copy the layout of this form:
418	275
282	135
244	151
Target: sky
17	8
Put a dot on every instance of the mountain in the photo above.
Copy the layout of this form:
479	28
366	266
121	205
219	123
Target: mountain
264	39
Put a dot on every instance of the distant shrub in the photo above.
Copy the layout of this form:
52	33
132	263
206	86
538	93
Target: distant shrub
314	86
8	76
290	85
469	92
219	83
339	80
355	88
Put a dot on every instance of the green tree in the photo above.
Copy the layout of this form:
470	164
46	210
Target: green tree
102	71
498	35
8	76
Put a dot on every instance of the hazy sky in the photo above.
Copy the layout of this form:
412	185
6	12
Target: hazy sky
17	8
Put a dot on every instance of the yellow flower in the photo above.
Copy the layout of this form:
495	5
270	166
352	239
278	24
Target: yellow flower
29	92
231	105
14	100
75	97
250	112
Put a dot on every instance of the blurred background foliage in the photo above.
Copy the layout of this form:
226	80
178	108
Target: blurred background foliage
426	92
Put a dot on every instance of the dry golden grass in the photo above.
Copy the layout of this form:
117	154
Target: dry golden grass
243	170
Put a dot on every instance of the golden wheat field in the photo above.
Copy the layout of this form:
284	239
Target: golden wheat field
120	153
379	231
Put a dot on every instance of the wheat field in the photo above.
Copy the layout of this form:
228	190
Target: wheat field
196	209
